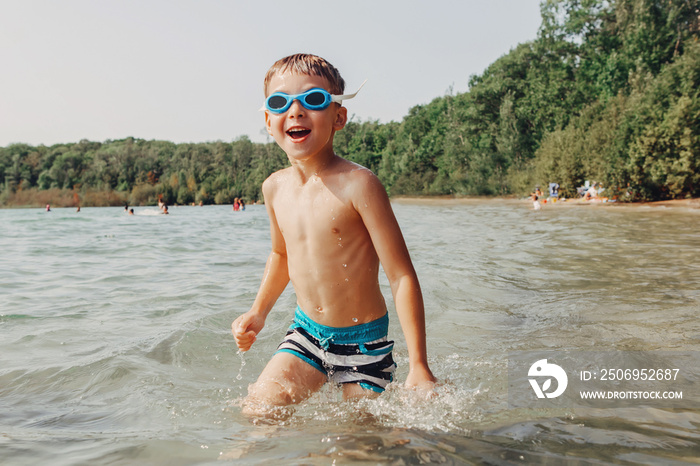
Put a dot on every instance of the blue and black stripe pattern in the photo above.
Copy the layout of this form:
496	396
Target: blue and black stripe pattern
358	354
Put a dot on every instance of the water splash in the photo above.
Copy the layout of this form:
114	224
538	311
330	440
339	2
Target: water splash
240	369
449	409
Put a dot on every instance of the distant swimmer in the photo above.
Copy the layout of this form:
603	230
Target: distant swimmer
48	207
591	193
554	190
131	211
165	210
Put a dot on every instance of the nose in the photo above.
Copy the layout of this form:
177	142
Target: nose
296	109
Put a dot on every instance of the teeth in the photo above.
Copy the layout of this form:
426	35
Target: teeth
296	130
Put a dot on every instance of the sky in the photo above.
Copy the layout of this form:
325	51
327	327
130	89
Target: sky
192	71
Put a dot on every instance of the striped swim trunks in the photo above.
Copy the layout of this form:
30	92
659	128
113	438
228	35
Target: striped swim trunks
359	354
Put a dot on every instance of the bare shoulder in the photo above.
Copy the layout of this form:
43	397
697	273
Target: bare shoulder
274	181
360	180
363	186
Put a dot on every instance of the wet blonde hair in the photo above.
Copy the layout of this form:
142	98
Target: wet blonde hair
310	65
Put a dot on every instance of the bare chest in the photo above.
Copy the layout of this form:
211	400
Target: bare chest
318	215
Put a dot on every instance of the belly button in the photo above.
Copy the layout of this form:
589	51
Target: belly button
335	231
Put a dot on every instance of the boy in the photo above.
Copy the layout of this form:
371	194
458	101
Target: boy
331	225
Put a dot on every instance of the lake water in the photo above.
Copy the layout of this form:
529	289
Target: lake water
115	340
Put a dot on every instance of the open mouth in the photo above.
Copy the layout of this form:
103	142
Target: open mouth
298	133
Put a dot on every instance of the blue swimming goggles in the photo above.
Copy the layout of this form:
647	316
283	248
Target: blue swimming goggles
313	99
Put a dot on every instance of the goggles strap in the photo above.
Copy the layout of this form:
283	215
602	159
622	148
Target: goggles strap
339	98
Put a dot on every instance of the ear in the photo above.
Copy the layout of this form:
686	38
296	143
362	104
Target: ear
268	123
341	119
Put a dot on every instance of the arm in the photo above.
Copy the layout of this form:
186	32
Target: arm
373	206
275	279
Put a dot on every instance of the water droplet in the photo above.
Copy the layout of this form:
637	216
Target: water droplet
345	265
347	280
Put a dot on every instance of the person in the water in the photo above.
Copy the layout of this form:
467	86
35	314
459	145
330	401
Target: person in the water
331	226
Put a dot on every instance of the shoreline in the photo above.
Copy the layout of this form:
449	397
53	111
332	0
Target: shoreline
693	203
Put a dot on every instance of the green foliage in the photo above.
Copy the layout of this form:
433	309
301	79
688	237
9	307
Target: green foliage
142	171
608	91
642	146
659	142
580	151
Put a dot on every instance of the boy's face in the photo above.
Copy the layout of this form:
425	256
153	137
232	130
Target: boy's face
300	132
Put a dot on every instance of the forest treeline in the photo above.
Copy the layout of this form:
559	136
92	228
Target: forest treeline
608	91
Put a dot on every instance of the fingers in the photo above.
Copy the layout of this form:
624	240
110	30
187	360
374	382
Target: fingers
244	337
235	325
245	340
240	325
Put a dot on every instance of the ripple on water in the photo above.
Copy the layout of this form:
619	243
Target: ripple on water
117	348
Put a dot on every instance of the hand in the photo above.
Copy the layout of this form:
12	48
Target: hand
421	378
246	328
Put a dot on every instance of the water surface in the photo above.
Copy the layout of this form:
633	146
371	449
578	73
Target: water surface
116	345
